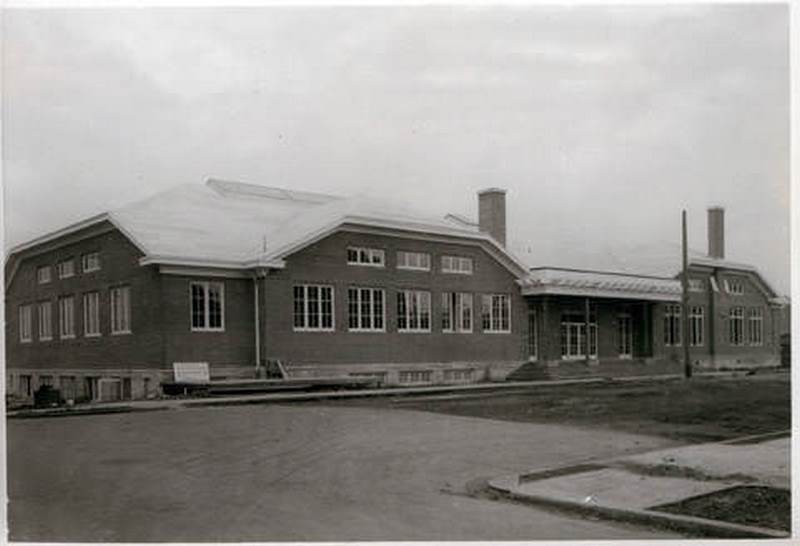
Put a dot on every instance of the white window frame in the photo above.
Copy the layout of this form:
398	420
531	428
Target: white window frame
494	325
365	256
574	330
320	311
755	327
416	305
460	265
91	314
206	287
358	305
66	317
454	305
125	301
26	323
697	326
673	333
625	336
413	261
44	274
65	272
90	262
736	335
696	285
734	287
45	326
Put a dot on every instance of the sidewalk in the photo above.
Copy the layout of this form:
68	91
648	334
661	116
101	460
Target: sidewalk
631	488
96	408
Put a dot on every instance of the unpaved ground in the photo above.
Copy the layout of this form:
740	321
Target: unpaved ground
284	473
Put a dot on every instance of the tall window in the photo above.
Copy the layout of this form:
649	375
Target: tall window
456	264
736	326
533	336
625	335
496	313
420	261
66	269
456	312
43	274
45	321
120	298
672	325
208	306
313	308
66	317
25	323
91	314
90	262
413	311
697	326
374	257
755	326
573	336
365	308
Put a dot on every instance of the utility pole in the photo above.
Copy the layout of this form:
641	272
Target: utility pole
687	364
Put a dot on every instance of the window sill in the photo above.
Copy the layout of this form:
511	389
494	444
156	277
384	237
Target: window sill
366	331
496	331
399	331
121	333
457	272
208	330
26	341
457	331
67	337
424	269
92	335
381	266
323	330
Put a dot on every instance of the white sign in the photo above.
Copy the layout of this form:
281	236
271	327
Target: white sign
191	372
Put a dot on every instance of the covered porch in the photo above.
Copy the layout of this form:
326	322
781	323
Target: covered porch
617	311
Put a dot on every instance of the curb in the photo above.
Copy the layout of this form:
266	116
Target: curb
688	524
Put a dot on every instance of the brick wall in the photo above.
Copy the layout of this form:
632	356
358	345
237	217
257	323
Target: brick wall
325	262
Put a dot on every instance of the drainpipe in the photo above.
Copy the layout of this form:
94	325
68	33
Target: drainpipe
256	321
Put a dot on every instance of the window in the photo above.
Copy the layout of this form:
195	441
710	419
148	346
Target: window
697	326
25	385
736	326
90	262
46	380
697	285
26	323
413	311
755	326
45	321
415	376
374	257
66	317
625	335
456	312
365	310
43	274
464	375
208	306
496	313
573	336
456	264
419	261
313	308
66	269
91	314
734	287
120	300
672	325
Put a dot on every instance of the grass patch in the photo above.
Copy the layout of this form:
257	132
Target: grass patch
700	409
746	505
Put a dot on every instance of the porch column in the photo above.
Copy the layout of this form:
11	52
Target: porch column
587	330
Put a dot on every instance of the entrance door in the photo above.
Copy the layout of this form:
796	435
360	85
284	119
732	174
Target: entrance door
533	342
624	336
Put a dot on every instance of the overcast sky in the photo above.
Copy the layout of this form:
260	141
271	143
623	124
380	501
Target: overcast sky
602	123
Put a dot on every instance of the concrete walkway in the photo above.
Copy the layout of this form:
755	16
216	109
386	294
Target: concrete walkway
294	396
628	488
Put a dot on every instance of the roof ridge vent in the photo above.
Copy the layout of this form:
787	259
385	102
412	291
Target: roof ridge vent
230	188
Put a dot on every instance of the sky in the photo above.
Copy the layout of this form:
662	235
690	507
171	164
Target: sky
602	123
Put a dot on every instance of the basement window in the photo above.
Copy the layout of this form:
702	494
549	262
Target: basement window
208	305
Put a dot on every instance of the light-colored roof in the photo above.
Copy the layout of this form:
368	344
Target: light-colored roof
237	225
548	280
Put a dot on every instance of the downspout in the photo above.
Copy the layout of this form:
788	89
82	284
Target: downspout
257	322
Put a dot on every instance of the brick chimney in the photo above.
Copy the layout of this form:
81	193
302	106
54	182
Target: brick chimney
716	232
492	213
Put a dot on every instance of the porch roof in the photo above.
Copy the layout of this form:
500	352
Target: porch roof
599	284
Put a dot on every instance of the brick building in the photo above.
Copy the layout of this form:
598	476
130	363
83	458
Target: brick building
234	275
